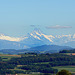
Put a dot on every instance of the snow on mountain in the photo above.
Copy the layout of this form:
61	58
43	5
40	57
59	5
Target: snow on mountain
3	37
37	38
7	42
47	37
66	38
40	35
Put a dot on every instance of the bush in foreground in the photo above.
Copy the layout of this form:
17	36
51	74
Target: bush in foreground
63	72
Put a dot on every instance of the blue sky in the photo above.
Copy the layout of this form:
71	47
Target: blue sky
55	17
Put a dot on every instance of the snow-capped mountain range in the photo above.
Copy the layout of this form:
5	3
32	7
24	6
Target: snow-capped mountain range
36	38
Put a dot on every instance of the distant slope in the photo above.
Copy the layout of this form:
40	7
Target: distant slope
71	43
49	48
13	51
4	44
38	49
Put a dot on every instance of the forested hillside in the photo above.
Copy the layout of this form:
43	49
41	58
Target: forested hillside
37	63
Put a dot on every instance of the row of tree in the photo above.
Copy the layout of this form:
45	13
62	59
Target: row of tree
67	51
42	63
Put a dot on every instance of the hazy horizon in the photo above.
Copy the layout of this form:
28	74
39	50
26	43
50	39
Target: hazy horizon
53	17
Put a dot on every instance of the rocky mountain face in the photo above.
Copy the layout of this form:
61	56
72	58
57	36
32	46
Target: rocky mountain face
36	38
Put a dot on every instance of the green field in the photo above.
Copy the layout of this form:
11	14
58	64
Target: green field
69	68
6	57
37	64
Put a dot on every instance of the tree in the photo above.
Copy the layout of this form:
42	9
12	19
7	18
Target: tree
63	72
0	59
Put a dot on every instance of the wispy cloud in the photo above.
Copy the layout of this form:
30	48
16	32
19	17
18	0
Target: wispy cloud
58	27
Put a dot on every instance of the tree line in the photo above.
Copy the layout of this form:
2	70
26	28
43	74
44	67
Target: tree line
34	62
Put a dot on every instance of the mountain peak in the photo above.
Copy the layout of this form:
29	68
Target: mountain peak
37	30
